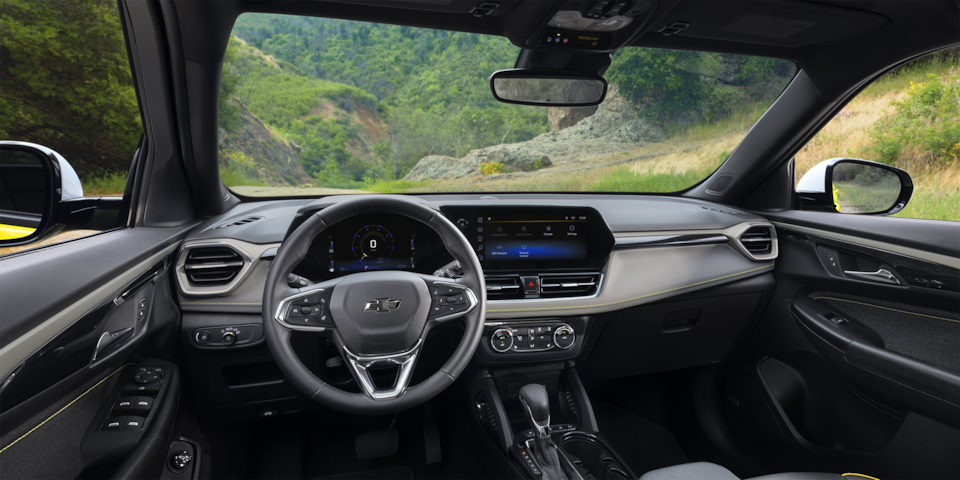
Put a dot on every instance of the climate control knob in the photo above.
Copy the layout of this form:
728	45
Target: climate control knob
502	340
564	337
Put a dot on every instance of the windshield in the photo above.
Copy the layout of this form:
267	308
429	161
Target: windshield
312	106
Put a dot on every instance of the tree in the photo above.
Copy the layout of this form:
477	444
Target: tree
66	82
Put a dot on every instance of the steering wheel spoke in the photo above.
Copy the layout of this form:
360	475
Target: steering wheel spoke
360	366
308	309
449	300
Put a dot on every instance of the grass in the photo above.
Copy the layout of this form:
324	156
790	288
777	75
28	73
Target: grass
234	178
110	184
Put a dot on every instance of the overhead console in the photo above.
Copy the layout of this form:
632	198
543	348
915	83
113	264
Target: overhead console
594	26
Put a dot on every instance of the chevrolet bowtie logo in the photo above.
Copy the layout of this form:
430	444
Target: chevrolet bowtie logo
381	305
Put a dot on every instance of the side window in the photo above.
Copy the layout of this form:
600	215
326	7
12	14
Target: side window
68	115
908	119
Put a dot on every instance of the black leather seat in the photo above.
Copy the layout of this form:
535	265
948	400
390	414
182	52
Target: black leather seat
712	471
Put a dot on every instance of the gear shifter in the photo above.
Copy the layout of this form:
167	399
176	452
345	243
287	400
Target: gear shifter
536	405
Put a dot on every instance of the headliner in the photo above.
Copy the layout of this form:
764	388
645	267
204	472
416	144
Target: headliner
878	34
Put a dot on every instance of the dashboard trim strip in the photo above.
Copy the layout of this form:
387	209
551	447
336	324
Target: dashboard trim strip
644	241
639	297
931	257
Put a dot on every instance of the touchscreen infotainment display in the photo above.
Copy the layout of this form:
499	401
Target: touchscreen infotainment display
505	238
534	238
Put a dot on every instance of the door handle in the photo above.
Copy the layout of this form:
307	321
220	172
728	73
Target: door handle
880	276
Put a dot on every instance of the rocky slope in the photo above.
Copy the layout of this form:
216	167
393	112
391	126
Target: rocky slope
259	154
614	127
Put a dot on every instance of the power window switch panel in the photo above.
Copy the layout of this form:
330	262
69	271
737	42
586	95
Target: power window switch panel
143	403
133	423
115	423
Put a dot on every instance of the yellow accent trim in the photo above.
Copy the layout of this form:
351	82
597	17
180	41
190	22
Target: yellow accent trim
861	475
888	308
12	232
64	407
631	298
220	303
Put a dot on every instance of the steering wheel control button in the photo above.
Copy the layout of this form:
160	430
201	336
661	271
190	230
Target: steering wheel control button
502	340
308	300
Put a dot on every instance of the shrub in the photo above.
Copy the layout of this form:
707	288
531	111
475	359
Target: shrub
926	123
490	168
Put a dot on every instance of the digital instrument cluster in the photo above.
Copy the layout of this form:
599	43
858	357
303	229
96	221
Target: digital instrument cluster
370	243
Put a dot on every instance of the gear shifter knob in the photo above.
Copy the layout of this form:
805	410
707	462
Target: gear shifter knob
536	404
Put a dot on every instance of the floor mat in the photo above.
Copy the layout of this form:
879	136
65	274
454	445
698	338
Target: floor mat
398	473
641	444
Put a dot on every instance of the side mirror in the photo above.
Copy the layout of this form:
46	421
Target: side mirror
850	185
35	181
548	88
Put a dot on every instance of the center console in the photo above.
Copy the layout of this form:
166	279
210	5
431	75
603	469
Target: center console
542	424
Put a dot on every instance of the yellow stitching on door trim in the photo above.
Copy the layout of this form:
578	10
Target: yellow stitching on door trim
888	308
632	298
860	475
64	407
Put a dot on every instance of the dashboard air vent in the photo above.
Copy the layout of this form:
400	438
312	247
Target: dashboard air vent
212	266
759	242
241	222
503	287
569	285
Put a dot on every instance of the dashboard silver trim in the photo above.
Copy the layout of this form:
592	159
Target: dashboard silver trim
940	259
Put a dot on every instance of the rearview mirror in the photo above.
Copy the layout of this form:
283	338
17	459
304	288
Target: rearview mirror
548	88
34	183
850	185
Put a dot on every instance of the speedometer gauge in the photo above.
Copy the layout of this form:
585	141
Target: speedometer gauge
373	243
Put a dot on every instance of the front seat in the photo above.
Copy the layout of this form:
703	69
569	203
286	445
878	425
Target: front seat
712	471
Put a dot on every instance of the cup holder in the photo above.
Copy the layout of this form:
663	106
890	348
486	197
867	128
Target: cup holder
587	452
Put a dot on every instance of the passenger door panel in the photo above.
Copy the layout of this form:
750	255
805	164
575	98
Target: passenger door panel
850	373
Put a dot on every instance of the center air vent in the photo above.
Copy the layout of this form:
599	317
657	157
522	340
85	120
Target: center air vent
241	222
569	285
503	287
759	242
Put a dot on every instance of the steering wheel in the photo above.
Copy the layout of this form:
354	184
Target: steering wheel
374	318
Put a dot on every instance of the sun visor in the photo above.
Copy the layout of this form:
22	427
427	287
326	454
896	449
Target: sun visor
769	22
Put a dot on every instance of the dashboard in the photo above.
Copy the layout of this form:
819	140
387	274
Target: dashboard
613	281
